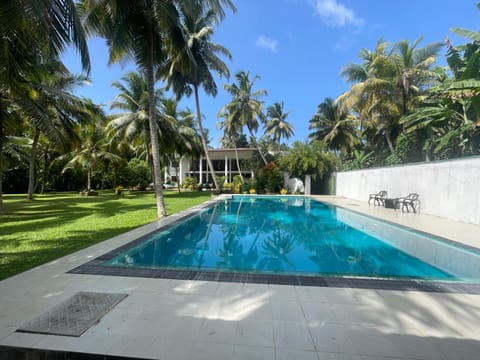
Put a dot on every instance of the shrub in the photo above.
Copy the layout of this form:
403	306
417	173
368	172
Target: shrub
228	187
283	191
189	183
237	179
136	174
271	178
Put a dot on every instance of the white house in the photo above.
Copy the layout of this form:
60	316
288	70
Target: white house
224	163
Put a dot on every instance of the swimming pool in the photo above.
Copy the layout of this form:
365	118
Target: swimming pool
296	236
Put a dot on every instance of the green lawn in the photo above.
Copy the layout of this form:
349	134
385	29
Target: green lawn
53	225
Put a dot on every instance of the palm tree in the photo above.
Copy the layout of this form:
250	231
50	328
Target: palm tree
414	70
58	110
333	126
277	126
184	139
372	95
192	56
245	107
132	126
29	30
136	30
388	83
92	154
232	131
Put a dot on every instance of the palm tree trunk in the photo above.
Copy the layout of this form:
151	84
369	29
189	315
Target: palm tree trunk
89	178
45	170
202	136
257	146
389	141
238	161
161	210
31	167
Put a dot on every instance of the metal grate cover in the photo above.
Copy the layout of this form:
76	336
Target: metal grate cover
75	315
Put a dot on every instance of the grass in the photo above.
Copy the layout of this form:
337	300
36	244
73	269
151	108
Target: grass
53	225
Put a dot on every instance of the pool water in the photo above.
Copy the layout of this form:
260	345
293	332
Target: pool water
288	235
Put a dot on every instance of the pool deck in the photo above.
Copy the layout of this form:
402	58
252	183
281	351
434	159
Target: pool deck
185	319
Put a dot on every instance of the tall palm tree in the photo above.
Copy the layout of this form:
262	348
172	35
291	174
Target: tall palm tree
245	106
192	57
184	140
372	95
32	29
277	126
132	126
57	111
414	70
92	154
232	131
388	83
135	29
333	126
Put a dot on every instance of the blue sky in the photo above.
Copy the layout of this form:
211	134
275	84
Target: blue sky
298	48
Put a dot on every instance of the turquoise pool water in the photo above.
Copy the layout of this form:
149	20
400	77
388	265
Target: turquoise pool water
289	235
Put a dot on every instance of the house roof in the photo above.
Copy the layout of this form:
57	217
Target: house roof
219	154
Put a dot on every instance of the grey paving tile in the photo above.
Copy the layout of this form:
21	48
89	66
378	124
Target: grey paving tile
288	310
288	354
328	338
255	333
320	311
218	331
294	335
242	352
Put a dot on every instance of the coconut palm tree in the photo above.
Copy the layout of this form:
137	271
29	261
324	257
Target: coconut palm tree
29	30
58	111
184	140
333	126
131	127
388	83
192	57
232	131
92	154
245	107
135	30
277	125
414	70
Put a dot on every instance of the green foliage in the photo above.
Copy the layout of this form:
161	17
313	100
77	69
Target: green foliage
247	185
189	183
237	179
270	178
402	150
308	159
136	174
360	160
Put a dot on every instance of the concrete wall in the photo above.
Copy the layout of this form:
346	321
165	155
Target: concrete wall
449	189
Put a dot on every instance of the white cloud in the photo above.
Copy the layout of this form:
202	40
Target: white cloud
267	43
334	14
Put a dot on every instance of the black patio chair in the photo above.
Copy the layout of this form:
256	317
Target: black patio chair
378	199
411	201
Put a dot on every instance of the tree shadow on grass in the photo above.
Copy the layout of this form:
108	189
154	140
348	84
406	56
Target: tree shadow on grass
26	220
47	250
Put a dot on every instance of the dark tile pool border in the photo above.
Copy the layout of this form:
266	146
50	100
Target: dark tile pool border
96	267
21	353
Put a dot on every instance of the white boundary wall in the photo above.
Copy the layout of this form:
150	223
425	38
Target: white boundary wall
448	189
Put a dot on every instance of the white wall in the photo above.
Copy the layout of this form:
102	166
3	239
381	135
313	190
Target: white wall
449	189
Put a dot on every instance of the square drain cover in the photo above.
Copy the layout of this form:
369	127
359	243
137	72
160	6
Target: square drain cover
75	315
